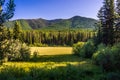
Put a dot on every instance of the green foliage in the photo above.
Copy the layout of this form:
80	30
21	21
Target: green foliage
16	31
24	53
69	72
5	14
116	53
23	24
35	56
77	48
107	19
8	12
108	57
4	44
39	45
55	38
18	51
86	50
103	57
12	73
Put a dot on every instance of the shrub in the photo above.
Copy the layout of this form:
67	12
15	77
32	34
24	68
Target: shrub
12	73
18	51
24	52
88	49
116	54
84	50
68	72
35	56
77	48
108	57
4	46
104	57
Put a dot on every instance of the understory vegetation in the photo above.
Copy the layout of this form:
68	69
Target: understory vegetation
69	72
59	67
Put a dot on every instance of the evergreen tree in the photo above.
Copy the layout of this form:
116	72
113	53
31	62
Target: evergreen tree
118	7
6	13
106	16
16	31
117	12
117	25
9	34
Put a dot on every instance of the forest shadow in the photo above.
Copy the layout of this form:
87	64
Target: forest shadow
56	58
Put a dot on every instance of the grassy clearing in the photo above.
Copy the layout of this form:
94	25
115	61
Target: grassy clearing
50	58
64	66
53	61
51	67
52	50
50	61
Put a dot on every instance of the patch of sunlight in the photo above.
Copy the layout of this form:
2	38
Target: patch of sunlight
51	50
83	62
42	64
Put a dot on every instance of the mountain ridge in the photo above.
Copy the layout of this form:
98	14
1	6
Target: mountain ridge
40	23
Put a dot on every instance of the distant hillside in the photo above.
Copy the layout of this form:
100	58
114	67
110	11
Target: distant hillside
74	22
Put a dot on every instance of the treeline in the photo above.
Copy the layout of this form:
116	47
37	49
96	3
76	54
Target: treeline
55	38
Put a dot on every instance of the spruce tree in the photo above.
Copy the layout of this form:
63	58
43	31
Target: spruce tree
118	7
6	13
16	31
117	12
106	16
117	25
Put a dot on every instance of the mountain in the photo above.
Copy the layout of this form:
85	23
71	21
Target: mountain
74	22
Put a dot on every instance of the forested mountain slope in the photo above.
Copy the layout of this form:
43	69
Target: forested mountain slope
74	22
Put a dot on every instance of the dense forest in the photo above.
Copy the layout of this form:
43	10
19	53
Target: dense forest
56	38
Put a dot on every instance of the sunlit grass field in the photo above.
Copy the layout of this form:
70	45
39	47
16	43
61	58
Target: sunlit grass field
60	65
51	57
52	62
52	50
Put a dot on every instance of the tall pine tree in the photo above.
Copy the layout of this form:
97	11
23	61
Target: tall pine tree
6	13
106	16
16	31
117	26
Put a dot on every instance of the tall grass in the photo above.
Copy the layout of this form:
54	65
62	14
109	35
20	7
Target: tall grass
69	72
57	67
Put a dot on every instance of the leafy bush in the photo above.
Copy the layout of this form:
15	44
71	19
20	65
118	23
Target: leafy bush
24	52
4	46
35	56
77	48
88	49
104	57
116	54
18	51
108	57
12	73
84	50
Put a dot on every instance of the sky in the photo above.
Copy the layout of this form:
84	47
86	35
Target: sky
54	9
